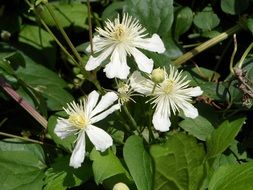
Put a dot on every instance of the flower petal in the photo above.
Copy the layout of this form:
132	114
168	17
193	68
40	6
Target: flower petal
94	62
145	64
106	101
91	102
118	67
78	153
105	113
154	44
63	128
189	110
161	121
196	91
99	138
141	84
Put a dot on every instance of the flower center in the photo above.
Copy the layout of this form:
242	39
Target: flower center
78	121
168	86
119	33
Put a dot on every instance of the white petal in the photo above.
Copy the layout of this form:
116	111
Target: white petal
94	62
141	84
91	102
63	128
161	121
105	113
78	153
106	101
118	67
189	110
145	64
154	44
99	138
196	91
98	44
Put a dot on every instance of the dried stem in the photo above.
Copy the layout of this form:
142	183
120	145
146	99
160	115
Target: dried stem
36	115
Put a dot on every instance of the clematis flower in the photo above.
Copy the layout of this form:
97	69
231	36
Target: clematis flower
119	39
172	95
81	118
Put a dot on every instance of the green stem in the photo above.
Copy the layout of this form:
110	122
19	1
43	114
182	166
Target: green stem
65	36
90	26
233	56
187	56
131	119
57	41
245	55
21	138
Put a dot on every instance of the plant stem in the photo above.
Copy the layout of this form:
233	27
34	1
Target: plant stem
245	55
51	12
187	56
90	26
131	119
21	138
57	41
233	56
36	115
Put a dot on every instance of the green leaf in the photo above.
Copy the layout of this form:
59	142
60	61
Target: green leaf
138	162
199	127
46	82
223	136
22	165
37	42
233	177
67	14
66	142
161	11
61	176
178	163
206	20
183	21
234	7
106	165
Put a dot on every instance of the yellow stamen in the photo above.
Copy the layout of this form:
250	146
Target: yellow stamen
168	87
78	120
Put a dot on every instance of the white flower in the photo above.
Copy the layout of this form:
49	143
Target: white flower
119	39
81	118
169	96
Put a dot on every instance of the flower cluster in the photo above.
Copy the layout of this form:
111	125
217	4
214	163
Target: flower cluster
169	92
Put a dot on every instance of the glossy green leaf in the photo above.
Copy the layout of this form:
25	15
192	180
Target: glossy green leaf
223	136
206	20
45	82
161	11
234	7
61	176
183	21
22	165
138	162
233	177
106	165
67	14
178	163
199	127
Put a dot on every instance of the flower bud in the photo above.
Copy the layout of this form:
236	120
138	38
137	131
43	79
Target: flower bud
5	35
157	75
120	186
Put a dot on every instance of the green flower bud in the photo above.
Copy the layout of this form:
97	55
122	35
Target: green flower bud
157	75
120	186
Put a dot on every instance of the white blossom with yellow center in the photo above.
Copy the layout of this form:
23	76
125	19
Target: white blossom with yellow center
173	94
81	118
119	39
